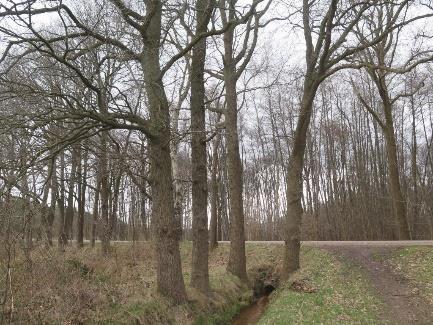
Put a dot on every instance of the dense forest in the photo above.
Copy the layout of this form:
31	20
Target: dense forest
208	121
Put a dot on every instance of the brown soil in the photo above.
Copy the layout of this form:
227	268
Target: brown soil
402	302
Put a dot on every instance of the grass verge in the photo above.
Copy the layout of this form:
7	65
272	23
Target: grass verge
334	293
416	264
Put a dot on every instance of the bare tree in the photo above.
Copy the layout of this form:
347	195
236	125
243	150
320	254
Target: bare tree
200	267
378	61
327	28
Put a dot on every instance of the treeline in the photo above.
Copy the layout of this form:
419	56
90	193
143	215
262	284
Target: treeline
163	121
346	194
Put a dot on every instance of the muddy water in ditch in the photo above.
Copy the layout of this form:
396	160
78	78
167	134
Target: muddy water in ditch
251	314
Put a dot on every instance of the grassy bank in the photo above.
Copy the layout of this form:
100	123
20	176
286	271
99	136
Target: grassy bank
326	291
80	286
416	264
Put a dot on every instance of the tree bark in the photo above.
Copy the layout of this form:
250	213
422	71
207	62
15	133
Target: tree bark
294	191
46	211
52	209
81	199
177	183
62	241
213	242
143	214
398	200
104	179
419	226
167	229
115	204
200	265
95	212
237	259
224	224
105	189
69	216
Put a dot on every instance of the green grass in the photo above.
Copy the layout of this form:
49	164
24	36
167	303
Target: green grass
343	295
416	264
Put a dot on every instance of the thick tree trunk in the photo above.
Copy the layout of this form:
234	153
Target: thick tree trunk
237	260
398	200
292	234
200	265
167	229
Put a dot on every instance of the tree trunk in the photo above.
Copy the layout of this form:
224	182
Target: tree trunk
167	229
45	210
28	219
419	224
105	189
115	205
224	224
200	265
52	209
71	188
292	234
143	214
213	242
81	199
398	201
62	241
95	212
237	260
177	182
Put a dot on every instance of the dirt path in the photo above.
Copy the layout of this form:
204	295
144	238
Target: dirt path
402	302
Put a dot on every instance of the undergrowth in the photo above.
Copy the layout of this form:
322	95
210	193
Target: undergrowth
81	286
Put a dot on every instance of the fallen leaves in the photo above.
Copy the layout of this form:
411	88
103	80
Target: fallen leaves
302	286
